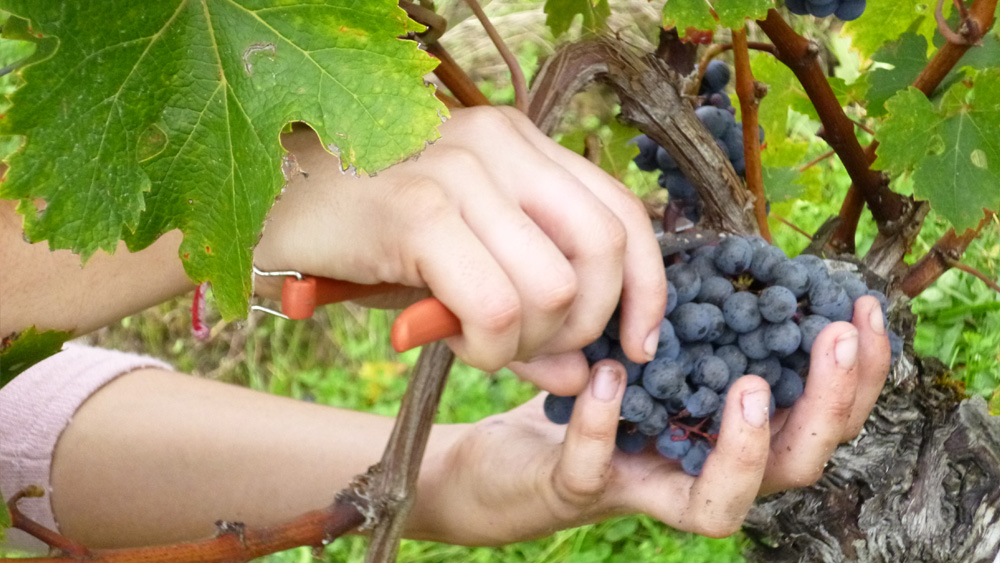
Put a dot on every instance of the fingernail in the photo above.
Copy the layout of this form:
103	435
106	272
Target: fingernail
652	341
845	350
755	407
876	320
605	385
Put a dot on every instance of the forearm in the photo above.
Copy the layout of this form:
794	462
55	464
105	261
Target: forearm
50	290
159	457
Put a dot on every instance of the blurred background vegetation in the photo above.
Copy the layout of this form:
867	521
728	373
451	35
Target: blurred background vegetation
342	356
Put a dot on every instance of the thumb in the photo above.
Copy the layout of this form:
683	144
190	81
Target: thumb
584	463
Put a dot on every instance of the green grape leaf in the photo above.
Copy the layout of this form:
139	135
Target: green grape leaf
884	22
683	14
733	13
781	184
561	13
908	56
25	349
155	116
953	151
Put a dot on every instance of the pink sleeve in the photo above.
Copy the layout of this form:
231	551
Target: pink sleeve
35	408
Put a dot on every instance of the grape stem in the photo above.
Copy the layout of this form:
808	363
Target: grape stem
516	74
716	50
750	93
817	160
945	253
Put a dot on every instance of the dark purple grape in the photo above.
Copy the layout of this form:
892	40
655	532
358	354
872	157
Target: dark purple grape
783	338
828	299
752	343
766	260
711	372
633	371
769	369
733	256
686	281
671	298
629	440
850	10
715	290
716	77
646	159
637	405
694	461
672	444
787	389
811	326
597	350
735	359
664	161
742	312
691	322
716	120
656	422
777	304
797	7
792	275
702	402
558	409
663	379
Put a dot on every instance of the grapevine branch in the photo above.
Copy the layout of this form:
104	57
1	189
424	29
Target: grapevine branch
651	100
945	253
516	74
980	18
800	55
972	271
234	542
749	93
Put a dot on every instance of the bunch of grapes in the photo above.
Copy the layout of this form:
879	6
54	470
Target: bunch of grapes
846	10
716	113
739	307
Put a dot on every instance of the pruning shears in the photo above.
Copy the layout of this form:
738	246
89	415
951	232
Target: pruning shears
423	322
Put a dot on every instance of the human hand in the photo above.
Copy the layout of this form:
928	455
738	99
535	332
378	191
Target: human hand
528	243
517	476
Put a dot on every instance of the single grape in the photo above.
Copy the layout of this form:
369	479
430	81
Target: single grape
704	264
855	288
597	350
694	460
637	405
691	322
663	378
720	100
716	77
628	438
733	256
711	372
702	402
722	147
664	161
678	186
783	338
672	444
828	299
728	336
850	10
777	304
675	404
822	8
714	289
646	159
656	422
686	281
797	362
717	323
734	358
734	142
742	312
698	350
787	390
558	409
792	275
766	260
815	266
633	371
810	326
752	343
716	120
686	361
769	369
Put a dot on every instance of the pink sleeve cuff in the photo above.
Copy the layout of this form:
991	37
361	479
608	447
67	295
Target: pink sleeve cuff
34	410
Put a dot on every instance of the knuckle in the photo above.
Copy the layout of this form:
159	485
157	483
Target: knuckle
484	118
718	526
840	408
556	295
500	315
421	200
612	235
459	159
575	491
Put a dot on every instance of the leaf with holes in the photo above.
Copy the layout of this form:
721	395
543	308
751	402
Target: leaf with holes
953	150
685	14
155	116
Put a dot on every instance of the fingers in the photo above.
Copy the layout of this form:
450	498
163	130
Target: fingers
719	499
817	422
563	374
873	362
584	465
644	293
